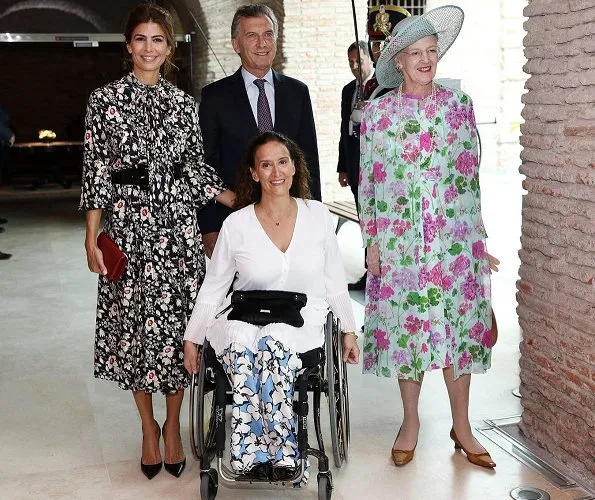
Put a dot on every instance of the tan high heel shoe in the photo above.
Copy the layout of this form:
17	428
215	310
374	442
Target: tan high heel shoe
402	457
481	459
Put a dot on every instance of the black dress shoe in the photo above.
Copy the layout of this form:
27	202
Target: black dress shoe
360	284
3	220
260	471
283	473
175	469
151	470
2	229
5	256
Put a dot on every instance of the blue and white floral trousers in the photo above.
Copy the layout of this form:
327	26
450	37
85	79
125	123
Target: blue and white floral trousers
263	425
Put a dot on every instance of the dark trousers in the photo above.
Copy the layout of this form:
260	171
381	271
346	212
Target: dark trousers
354	191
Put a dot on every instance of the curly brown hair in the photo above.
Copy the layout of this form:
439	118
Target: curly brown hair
249	191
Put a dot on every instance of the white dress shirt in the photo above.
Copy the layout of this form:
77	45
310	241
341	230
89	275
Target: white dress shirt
252	91
312	264
356	114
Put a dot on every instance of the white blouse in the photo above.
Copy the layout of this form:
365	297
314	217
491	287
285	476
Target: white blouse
312	264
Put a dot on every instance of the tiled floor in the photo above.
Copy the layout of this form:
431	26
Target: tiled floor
66	435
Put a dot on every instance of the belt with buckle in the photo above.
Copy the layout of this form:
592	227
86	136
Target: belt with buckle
139	176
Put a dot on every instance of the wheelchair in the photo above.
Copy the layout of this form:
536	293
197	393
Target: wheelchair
323	371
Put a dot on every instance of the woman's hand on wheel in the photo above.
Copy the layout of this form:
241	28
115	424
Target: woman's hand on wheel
191	357
95	259
373	259
350	349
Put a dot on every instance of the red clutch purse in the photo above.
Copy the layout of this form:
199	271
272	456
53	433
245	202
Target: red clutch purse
114	259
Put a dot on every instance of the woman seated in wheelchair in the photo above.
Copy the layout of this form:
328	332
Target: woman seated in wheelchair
279	240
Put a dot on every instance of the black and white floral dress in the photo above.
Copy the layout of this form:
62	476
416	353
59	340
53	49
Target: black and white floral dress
142	317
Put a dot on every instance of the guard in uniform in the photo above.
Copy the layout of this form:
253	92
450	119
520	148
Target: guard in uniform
383	16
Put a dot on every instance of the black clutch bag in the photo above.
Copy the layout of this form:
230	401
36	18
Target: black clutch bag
262	307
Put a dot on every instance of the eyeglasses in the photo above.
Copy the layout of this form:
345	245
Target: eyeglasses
432	53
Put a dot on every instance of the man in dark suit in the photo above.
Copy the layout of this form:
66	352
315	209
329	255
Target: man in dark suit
351	107
252	100
351	104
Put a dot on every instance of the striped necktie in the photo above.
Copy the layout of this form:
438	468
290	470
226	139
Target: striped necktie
263	111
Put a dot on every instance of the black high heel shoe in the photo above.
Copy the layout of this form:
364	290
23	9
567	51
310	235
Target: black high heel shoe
151	470
177	468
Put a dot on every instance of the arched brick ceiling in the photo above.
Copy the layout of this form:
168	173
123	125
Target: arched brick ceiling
72	8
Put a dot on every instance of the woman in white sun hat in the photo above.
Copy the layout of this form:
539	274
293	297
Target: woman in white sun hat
428	301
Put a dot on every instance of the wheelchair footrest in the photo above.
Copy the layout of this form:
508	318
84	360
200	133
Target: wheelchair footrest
266	473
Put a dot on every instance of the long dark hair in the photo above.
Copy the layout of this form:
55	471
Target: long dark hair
149	12
249	191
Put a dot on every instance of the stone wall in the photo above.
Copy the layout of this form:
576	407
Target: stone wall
556	290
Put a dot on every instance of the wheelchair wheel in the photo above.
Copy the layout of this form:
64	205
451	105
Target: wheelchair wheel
325	486
209	485
202	410
338	391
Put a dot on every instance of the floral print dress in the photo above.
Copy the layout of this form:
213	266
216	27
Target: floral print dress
141	318
420	202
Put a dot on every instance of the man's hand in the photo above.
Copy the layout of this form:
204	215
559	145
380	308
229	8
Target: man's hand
227	198
11	140
343	179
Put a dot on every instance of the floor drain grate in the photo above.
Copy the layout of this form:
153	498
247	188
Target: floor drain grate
529	493
506	434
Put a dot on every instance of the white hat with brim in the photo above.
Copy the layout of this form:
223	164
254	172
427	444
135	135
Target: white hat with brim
443	22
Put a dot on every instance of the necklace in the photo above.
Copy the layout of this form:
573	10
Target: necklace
401	113
271	217
276	221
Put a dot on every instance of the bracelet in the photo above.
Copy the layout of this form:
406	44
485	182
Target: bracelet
351	333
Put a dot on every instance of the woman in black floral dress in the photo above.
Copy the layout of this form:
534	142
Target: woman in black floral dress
144	171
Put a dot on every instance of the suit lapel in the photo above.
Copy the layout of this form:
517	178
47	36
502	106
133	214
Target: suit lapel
282	111
352	88
348	100
243	108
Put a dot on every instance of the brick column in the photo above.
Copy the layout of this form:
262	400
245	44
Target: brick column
556	290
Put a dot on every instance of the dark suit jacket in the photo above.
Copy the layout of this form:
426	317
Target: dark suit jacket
228	125
348	145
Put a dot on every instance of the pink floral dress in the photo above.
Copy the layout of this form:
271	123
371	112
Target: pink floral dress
420	202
